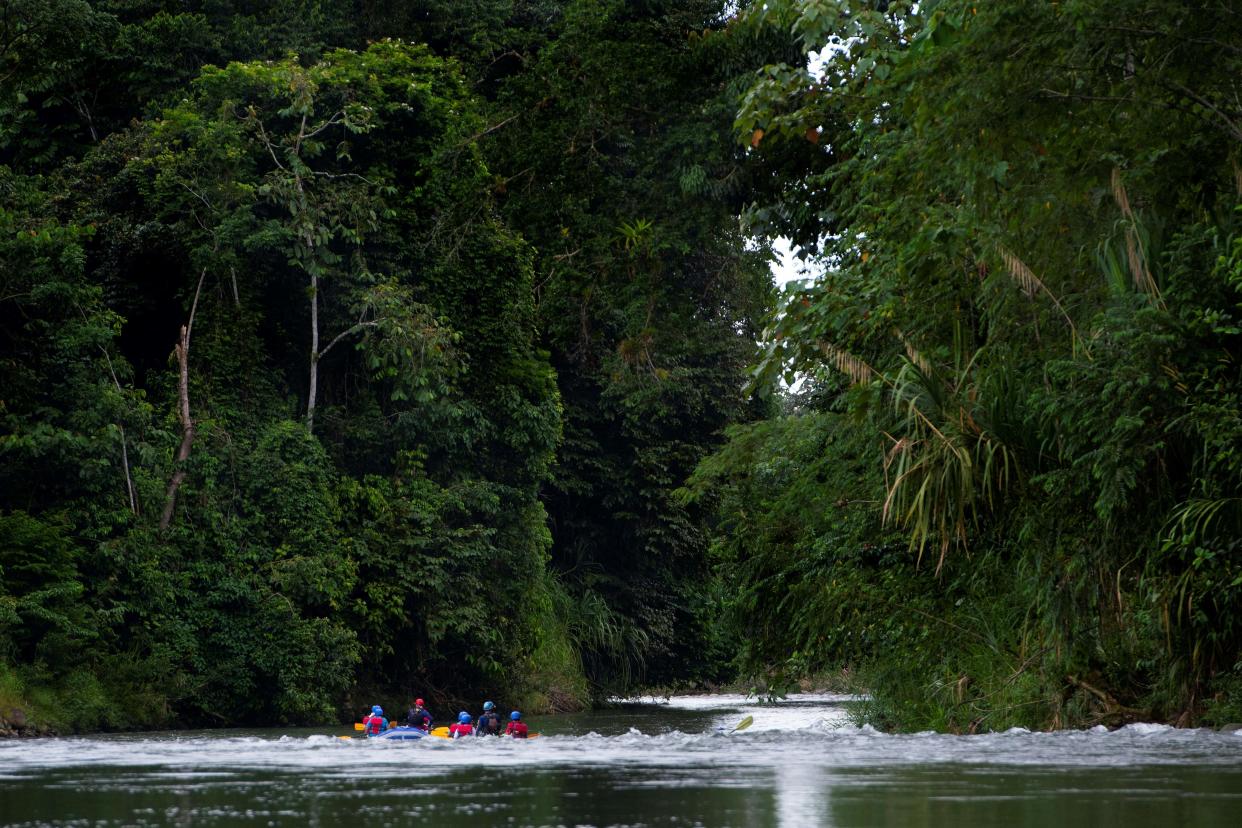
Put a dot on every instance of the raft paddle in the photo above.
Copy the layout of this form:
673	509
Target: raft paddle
743	724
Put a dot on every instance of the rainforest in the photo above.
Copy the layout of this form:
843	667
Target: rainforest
360	350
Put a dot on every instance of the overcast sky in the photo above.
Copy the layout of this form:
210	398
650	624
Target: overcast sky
787	267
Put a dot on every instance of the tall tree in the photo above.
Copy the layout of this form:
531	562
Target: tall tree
1022	214
403	540
613	157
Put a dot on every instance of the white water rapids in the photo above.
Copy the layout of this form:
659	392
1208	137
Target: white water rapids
665	762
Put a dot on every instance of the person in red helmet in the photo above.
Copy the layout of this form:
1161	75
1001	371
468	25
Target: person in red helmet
516	727
418	717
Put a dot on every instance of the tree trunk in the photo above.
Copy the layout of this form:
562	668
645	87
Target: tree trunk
183	410
314	355
129	481
187	427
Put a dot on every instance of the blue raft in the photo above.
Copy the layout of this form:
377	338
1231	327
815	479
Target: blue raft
400	734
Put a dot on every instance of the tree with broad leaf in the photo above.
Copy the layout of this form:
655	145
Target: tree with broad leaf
293	128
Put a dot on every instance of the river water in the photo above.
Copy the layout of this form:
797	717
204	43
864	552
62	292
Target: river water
661	763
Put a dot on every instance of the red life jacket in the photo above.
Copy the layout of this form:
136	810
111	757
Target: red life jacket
460	730
517	730
373	724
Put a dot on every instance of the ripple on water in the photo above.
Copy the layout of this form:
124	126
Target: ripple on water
674	763
804	733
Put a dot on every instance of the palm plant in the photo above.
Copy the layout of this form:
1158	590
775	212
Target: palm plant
945	466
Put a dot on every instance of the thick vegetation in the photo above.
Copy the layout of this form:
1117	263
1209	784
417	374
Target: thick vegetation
336	364
1009	488
350	350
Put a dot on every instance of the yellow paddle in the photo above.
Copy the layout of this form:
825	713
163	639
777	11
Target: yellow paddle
743	724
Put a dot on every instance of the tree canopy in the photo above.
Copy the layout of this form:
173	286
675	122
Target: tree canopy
355	349
1025	217
362	350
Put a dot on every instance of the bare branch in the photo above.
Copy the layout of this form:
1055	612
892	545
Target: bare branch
337	118
197	195
489	130
267	142
1173	33
347	332
362	178
1231	126
187	423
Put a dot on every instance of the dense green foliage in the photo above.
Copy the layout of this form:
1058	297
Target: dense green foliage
628	184
1010	489
350	350
358	348
273	200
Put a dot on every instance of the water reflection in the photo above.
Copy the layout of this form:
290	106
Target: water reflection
972	797
802	795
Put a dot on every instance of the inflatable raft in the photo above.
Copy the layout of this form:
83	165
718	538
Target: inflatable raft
400	734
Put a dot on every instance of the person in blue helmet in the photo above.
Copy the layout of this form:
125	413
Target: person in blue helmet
489	722
462	727
516	728
375	723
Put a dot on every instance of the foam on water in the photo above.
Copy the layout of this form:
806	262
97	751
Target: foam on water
802	731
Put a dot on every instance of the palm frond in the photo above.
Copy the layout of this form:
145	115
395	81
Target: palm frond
857	369
914	354
1198	518
1032	285
944	469
1136	243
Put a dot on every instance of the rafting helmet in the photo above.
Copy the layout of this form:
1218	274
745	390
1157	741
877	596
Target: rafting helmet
376	710
463	717
488	706
418	702
515	715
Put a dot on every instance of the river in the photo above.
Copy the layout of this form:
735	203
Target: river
661	763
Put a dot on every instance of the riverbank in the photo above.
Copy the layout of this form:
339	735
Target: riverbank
79	702
895	696
82	703
14	724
